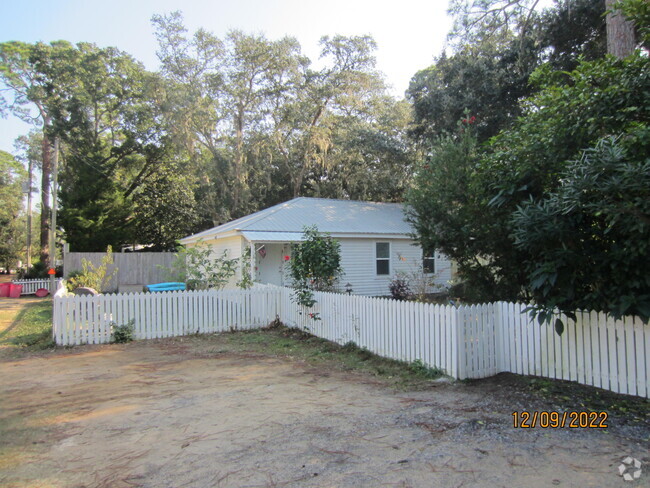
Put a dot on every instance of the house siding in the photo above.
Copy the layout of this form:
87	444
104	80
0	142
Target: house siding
357	260
359	264
272	268
234	246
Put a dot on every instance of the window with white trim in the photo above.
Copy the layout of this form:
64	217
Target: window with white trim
382	255
428	263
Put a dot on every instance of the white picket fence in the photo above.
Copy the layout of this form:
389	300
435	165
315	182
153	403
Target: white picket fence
466	342
90	319
30	286
482	340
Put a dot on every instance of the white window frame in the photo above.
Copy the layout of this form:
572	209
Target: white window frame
432	257
377	258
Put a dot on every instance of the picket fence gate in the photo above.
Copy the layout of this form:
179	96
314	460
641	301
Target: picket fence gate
474	341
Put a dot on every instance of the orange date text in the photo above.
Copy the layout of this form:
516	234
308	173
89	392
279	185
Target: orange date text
558	420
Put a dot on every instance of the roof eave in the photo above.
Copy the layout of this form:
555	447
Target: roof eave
209	236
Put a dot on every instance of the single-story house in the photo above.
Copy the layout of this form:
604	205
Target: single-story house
376	243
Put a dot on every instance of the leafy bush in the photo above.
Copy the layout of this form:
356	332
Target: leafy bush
510	213
123	333
589	239
315	265
200	269
447	206
420	369
97	278
399	289
316	261
74	277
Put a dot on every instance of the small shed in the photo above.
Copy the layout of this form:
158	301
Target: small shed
376	243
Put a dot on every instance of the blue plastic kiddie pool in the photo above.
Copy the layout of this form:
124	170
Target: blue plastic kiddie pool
170	286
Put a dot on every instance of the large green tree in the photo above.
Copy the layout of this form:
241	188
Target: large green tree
497	45
12	175
494	211
29	152
258	125
164	207
226	127
219	99
343	93
448	207
370	158
25	95
587	242
103	108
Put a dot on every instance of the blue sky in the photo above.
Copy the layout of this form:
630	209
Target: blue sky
409	32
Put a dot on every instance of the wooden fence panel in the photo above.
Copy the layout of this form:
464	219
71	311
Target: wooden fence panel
133	268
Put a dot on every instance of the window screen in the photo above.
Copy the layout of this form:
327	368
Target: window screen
428	264
383	258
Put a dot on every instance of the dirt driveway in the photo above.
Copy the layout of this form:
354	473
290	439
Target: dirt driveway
177	414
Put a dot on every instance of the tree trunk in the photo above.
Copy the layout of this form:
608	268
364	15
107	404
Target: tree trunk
620	32
45	195
239	159
30	183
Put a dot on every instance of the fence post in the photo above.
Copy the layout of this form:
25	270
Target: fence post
458	342
498	337
55	317
279	303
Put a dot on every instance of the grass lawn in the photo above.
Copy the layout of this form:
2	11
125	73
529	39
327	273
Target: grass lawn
295	344
30	329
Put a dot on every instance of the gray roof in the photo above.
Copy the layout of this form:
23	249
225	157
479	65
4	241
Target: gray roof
272	236
331	216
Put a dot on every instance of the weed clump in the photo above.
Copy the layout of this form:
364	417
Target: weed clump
124	333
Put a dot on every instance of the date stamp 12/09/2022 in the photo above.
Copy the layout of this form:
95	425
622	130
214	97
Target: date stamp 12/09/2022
629	469
550	419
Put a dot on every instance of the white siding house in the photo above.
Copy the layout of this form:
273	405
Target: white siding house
376	243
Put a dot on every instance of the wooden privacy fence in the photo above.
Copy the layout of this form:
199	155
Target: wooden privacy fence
466	342
133	268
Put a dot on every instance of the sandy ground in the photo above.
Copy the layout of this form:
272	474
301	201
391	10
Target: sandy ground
176	414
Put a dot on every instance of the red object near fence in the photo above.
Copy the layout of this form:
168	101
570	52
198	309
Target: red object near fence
4	289
15	290
42	292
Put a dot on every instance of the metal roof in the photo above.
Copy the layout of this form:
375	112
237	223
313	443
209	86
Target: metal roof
261	236
335	217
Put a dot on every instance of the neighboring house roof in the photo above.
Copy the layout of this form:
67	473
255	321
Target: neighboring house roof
285	222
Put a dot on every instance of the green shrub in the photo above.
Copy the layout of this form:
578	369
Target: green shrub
97	278
315	265
74	277
399	288
200	269
420	369
123	333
